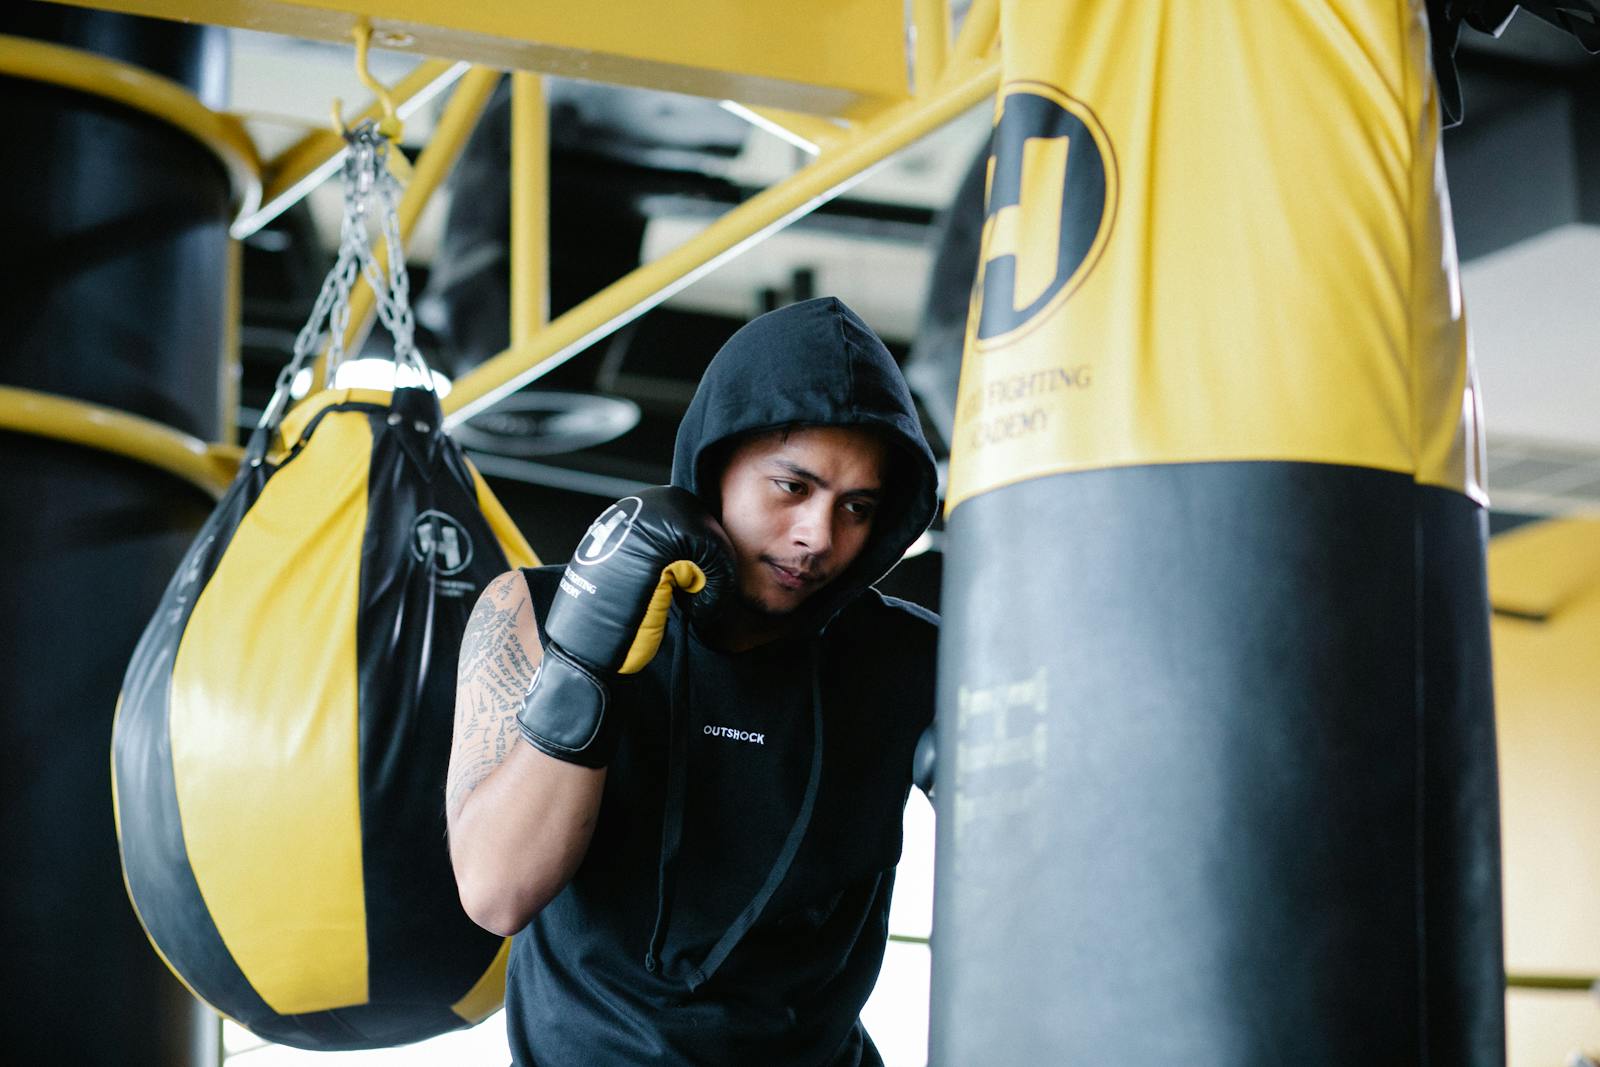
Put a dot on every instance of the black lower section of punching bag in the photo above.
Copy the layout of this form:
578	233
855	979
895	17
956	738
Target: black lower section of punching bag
1217	779
115	232
1465	963
364	1026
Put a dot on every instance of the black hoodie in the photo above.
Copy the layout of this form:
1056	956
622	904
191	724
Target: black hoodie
733	906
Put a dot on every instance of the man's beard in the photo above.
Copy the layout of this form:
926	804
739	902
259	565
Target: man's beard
757	609
766	613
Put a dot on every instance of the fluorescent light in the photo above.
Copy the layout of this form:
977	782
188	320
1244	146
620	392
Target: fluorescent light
761	122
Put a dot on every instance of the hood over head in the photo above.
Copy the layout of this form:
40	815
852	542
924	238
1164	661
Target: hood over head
813	363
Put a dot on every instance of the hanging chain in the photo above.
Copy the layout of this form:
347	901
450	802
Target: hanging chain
369	189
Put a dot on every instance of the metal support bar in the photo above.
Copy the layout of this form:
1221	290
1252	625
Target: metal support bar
826	57
650	284
530	207
316	157
1572	983
134	87
230	372
978	29
932	23
210	468
433	166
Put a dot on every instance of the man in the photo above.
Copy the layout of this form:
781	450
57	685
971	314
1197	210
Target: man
695	849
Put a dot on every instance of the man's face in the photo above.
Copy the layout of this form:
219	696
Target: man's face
798	510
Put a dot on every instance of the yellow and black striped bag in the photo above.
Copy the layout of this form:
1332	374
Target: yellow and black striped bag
281	741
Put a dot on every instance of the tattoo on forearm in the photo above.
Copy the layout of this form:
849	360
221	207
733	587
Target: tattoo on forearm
492	677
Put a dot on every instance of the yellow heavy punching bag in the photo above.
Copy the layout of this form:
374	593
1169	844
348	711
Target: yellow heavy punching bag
280	746
1217	754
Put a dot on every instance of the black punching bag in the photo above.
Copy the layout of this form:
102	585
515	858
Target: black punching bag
116	238
1217	776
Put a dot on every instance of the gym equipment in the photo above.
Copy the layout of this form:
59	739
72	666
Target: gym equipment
618	589
117	294
280	747
1216	743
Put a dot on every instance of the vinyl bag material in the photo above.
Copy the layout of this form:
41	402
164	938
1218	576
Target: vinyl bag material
1217	765
282	736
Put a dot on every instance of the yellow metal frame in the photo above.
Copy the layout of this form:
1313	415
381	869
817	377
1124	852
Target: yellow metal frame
826	57
530	207
836	169
209	467
951	79
230	364
978	31
162	98
312	160
1567	983
932	25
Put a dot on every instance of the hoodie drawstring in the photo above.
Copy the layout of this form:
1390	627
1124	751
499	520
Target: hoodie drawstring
677	789
672	823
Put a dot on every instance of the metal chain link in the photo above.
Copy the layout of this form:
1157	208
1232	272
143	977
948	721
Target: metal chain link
368	185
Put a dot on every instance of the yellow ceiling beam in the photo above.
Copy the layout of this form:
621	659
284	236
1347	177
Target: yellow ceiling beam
829	57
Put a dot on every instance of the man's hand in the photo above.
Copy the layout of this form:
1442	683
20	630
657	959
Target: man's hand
611	613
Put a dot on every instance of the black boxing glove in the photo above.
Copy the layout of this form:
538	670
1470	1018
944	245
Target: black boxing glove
611	612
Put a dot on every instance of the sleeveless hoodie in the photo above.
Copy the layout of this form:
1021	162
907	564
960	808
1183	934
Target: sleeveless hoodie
732	908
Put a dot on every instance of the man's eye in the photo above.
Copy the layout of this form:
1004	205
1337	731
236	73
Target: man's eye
861	509
789	486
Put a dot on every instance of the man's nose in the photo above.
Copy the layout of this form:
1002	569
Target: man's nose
813	527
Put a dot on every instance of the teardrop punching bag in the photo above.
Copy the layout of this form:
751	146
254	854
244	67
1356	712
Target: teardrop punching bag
280	747
1217	764
279	751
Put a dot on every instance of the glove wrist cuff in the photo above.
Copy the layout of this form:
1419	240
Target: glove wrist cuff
564	713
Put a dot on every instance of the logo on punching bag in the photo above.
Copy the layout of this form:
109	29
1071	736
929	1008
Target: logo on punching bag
606	534
439	540
1051	202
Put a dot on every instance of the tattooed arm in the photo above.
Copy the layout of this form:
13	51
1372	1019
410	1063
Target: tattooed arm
519	821
498	654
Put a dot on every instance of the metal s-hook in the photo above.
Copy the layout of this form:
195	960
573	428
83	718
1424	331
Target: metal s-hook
390	125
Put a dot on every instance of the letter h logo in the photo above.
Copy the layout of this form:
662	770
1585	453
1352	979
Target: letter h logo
1050	205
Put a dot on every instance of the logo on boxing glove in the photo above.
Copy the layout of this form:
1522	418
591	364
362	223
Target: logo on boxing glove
606	533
